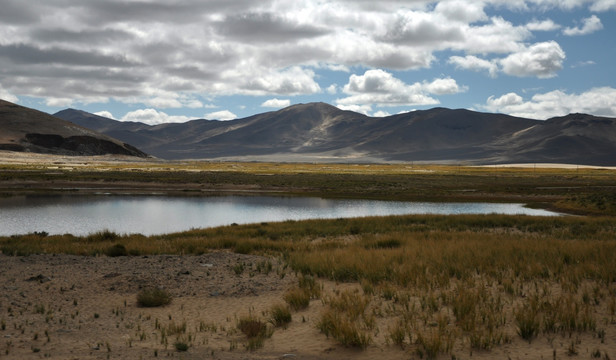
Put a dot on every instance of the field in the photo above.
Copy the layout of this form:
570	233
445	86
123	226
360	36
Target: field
403	287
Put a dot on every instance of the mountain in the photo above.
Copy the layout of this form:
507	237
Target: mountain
28	130
321	132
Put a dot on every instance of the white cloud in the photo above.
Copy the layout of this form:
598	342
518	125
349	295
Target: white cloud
163	103
462	11
542	60
381	113
292	81
153	117
382	88
276	103
170	55
106	114
583	63
221	115
603	5
474	63
544	25
443	86
193	104
504	101
597	101
497	36
365	109
7	96
589	25
58	102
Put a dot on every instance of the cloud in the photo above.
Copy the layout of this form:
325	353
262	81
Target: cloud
544	25
542	60
332	89
365	109
153	117
589	26
293	81
147	52
474	63
599	101
222	115
381	113
58	102
603	5
7	96
276	103
265	27
105	114
382	88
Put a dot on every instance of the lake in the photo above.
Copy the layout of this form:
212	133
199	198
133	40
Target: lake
148	215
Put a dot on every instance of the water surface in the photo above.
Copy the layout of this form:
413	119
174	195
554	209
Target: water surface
82	215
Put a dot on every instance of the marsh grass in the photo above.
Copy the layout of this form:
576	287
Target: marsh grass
256	331
280	315
346	318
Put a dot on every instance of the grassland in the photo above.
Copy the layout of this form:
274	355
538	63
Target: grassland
435	286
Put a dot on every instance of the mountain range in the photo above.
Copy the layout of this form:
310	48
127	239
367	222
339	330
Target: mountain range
27	130
321	132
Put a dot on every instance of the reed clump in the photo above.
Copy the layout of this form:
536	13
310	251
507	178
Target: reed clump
346	318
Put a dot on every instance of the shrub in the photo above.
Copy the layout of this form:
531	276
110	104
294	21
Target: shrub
153	297
104	235
280	315
252	327
116	250
527	322
181	346
256	331
347	320
297	298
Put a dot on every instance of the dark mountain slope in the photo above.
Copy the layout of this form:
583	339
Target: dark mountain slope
29	130
576	138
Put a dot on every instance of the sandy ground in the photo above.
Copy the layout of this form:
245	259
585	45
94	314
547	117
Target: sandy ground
72	307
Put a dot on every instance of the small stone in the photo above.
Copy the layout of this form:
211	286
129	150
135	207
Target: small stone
40	278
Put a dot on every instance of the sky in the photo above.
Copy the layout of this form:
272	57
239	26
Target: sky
160	61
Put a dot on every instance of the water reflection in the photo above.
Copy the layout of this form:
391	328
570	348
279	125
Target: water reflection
81	215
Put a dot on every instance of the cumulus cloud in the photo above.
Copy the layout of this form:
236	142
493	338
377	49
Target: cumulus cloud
597	101
7	96
293	81
474	63
542	60
223	115
153	117
603	5
365	109
543	25
381	113
382	88
148	52
105	114
276	103
589	25
58	102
